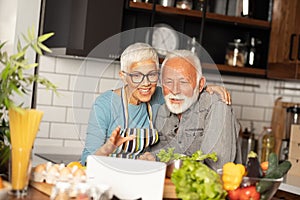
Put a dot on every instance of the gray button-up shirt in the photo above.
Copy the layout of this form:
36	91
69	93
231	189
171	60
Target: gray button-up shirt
209	125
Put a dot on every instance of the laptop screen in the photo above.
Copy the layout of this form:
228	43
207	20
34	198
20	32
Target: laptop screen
128	178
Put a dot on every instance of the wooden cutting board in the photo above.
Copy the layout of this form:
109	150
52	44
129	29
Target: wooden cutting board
169	188
43	187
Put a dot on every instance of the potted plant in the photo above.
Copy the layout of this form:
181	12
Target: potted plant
15	80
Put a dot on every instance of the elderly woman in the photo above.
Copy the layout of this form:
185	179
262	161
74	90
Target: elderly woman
120	121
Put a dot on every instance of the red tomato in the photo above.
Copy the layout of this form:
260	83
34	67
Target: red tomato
249	193
234	194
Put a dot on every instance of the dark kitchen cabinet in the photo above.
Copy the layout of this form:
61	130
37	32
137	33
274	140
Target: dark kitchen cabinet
218	30
284	53
81	25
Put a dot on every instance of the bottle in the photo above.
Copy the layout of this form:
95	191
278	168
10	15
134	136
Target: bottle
268	144
251	53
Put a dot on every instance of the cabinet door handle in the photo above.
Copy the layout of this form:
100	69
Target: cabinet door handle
291	46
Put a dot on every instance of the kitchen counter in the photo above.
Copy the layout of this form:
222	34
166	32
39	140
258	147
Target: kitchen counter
35	194
291	184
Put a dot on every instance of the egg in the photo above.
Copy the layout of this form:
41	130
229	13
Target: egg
39	173
65	174
79	175
52	174
40	168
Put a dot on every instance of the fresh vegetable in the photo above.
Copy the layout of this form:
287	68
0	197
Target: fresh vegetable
253	166
169	155
272	162
234	194
166	156
232	175
274	171
249	193
264	166
195	180
246	193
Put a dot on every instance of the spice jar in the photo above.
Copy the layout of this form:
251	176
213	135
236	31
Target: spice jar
236	53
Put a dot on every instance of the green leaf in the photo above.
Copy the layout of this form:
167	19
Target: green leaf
45	48
37	49
25	38
31	33
44	37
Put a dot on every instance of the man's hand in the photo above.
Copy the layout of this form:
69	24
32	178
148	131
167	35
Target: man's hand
116	139
147	156
225	95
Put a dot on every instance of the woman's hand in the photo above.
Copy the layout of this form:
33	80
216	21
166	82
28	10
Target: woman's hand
116	139
225	95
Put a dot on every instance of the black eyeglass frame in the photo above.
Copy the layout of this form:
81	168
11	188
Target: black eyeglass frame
144	75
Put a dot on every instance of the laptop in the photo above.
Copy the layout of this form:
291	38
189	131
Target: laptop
128	179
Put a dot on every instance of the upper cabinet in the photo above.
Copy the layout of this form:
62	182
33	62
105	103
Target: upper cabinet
216	28
268	37
284	53
80	26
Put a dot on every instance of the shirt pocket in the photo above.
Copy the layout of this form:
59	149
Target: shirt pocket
194	132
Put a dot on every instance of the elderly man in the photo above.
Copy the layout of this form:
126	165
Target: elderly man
192	119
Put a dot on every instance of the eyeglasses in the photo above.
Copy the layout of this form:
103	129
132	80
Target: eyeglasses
138	77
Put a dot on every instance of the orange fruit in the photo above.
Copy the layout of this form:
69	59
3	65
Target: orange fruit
74	163
264	165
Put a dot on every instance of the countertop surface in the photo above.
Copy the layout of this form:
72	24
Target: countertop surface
291	184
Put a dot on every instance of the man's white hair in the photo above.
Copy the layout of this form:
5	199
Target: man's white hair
138	52
188	56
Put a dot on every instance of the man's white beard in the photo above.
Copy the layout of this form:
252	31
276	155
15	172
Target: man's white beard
187	101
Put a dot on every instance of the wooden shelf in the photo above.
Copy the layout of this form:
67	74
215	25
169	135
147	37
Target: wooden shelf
236	70
198	14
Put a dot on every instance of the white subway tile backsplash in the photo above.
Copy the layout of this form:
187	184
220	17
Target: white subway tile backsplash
64	130
53	114
296	99
83	130
83	84
44	130
68	99
268	114
88	100
237	110
265	100
75	143
44	96
100	68
109	84
47	64
242	98
78	115
70	66
262	85
60	80
252	113
43	142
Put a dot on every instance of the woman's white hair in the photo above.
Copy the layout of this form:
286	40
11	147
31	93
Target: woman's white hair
188	56
138	52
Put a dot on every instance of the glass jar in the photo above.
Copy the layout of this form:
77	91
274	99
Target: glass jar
236	53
